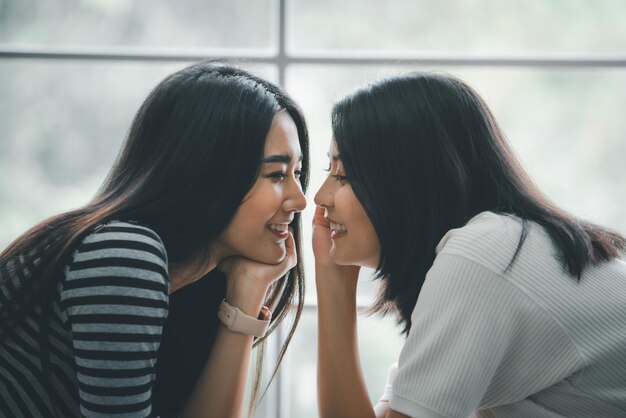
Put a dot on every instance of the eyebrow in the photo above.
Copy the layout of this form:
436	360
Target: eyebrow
282	158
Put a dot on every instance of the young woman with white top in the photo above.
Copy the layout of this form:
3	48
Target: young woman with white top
511	307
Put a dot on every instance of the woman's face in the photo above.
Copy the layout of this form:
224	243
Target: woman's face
259	228
354	240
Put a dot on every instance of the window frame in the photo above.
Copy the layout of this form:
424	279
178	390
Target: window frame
280	57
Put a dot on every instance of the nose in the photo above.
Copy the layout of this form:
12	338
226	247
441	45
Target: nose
324	196
295	201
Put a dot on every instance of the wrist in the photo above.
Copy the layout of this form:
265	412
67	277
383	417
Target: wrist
332	272
336	278
249	299
337	296
235	320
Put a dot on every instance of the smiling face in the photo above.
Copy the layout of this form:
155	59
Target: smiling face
354	240
259	228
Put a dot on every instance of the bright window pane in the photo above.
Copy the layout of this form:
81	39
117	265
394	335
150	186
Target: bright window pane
483	26
61	126
147	23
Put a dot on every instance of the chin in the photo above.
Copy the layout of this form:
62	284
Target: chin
269	257
343	260
346	263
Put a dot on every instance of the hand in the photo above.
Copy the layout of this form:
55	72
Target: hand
321	238
247	281
322	245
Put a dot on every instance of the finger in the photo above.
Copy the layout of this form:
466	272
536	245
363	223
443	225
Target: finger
319	218
291	258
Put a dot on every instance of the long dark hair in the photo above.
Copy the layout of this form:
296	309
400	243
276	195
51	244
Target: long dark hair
424	154
192	153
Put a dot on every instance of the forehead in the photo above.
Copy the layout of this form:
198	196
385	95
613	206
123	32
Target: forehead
283	136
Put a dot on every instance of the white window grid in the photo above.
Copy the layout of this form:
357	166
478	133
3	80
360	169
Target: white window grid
281	58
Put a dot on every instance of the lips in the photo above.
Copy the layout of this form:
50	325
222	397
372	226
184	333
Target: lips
337	230
280	230
279	227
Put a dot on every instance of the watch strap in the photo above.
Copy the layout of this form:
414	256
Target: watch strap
237	321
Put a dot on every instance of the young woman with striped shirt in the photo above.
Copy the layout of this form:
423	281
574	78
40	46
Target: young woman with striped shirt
511	307
112	309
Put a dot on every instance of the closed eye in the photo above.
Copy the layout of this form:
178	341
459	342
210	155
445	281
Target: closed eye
277	175
337	177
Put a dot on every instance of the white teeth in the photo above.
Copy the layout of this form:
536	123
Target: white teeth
337	227
279	227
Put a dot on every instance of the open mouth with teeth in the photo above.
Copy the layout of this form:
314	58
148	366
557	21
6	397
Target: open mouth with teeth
279	227
280	230
337	229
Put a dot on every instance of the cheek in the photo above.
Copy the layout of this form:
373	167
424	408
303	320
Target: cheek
352	213
244	224
267	199
362	232
344	205
247	232
260	207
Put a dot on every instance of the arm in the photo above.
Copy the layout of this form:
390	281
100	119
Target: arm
340	384
220	389
341	388
115	299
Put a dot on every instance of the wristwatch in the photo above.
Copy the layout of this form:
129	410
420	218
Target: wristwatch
237	321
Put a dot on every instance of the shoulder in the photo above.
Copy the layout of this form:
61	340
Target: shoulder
120	249
125	234
126	239
486	227
488	239
115	302
493	242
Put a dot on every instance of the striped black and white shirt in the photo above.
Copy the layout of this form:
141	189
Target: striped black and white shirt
104	334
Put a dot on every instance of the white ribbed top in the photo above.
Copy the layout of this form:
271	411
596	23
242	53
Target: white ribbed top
528	342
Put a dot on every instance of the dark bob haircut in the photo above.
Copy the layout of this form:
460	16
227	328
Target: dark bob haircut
424	155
